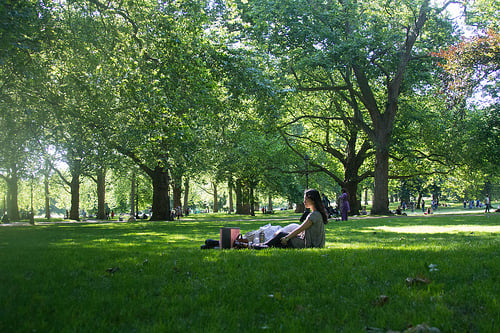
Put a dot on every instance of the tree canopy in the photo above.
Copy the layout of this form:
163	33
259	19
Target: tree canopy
241	92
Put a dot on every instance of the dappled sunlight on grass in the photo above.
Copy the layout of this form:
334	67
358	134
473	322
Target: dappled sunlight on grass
433	229
145	233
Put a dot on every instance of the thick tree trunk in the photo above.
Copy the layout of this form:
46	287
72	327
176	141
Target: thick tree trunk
215	198
300	207
239	198
12	192
186	196
161	197
74	213
101	193
270	203
242	199
381	181
354	203
177	191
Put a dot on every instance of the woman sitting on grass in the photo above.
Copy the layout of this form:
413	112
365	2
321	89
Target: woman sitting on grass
314	224
311	233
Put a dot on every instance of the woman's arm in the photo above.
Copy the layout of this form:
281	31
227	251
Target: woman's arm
304	226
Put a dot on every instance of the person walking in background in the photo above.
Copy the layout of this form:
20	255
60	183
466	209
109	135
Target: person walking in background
344	205
487	203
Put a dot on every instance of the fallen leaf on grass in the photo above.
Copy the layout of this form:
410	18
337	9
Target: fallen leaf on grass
381	300
433	268
113	270
411	281
275	295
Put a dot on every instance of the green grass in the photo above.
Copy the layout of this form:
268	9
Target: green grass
54	278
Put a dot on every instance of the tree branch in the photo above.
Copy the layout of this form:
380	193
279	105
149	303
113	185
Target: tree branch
422	155
309	117
136	160
319	88
422	174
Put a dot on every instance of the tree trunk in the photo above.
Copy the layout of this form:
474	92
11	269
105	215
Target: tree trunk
132	195
354	203
300	207
270	203
101	193
186	196
215	197
252	202
47	196
12	192
230	194
177	191
74	213
239	198
161	197
381	182
242	199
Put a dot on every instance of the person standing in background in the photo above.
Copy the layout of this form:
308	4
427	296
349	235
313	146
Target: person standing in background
345	208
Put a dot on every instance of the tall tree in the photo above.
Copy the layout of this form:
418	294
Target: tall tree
364	49
166	89
24	25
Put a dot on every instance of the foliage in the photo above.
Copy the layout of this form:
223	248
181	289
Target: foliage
483	14
470	63
181	87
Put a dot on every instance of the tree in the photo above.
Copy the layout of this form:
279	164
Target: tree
24	25
470	78
470	65
18	137
364	50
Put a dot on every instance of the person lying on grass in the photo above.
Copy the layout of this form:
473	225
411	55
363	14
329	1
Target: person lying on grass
311	233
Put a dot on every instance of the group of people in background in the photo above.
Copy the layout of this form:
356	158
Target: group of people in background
176	213
478	204
343	206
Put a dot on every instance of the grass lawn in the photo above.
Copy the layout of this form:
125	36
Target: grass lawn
389	273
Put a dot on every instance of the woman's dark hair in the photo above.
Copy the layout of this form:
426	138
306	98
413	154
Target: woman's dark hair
318	203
